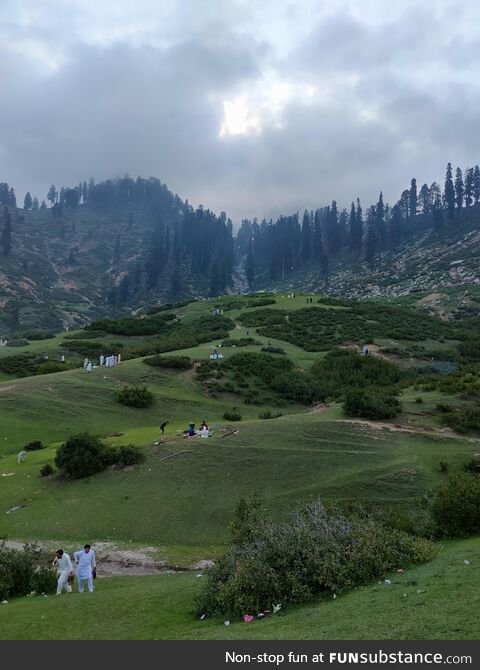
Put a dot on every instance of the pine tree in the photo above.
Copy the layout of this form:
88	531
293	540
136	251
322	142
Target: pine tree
123	290
35	204
413	197
381	229
249	265
396	226
476	185
306	237
459	188
371	238
52	195
449	193
437	208
12	200
6	236
43	205
27	203
358	227
424	198
468	187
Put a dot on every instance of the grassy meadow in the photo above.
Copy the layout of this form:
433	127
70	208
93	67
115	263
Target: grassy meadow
182	497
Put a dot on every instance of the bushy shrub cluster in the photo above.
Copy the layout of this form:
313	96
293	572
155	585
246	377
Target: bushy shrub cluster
132	326
232	415
464	418
19	575
135	396
176	362
240	342
456	506
84	347
269	349
38	335
47	470
21	365
319	329
292	562
35	445
371	404
83	455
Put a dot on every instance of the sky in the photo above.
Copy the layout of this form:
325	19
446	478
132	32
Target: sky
253	107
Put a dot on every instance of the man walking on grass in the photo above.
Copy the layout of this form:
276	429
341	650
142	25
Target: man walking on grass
64	566
86	567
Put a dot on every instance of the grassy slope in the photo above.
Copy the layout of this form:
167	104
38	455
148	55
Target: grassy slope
162	608
189	499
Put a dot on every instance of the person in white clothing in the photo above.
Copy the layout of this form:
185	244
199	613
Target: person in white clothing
86	567
64	567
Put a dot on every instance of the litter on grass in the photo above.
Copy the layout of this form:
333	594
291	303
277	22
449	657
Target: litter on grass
248	618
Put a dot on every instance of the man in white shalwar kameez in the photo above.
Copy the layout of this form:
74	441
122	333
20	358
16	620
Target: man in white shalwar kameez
64	567
85	560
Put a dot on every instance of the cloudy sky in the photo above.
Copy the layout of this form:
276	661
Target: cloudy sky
256	107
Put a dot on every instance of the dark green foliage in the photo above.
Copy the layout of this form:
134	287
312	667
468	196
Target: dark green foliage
133	326
317	329
84	347
47	470
38	335
35	445
18	573
48	367
317	551
81	455
469	349
464	418
232	415
17	342
342	370
135	396
269	415
174	362
84	455
456	506
129	454
21	365
370	404
473	465
273	350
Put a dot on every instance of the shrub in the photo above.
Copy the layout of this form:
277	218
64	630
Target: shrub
456	506
443	407
269	415
38	335
36	445
443	466
19	342
273	350
44	580
370	404
317	551
46	470
177	362
232	415
419	400
81	455
48	367
464	418
18	572
473	465
135	396
129	454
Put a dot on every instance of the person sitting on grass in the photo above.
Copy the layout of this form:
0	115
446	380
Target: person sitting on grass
190	432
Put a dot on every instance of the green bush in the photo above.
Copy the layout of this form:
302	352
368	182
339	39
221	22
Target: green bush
456	506
176	362
81	455
370	404
48	367
269	415
232	415
273	350
135	396
129	454
38	335
44	581
36	445
292	562
18	572
464	418
46	470
19	342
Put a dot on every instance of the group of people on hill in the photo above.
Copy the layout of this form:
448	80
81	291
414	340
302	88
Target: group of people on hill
86	569
107	361
191	432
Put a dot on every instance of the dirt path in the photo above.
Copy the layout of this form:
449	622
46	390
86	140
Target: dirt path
399	428
114	562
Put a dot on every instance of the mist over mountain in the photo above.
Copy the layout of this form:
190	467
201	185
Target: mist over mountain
125	244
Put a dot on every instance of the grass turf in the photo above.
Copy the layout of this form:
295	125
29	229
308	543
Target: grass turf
432	601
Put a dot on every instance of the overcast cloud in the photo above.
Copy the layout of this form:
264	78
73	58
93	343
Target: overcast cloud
256	108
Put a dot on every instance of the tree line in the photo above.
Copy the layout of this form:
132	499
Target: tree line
321	237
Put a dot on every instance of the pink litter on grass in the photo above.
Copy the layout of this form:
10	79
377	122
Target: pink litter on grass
247	618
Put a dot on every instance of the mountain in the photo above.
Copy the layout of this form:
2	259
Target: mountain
105	247
123	245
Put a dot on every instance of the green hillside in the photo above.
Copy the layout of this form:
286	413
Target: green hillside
180	500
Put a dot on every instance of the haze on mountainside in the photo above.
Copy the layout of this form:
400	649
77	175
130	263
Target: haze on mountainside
256	109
